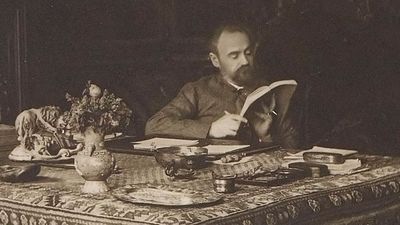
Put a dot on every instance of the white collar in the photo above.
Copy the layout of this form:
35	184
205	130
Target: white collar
235	85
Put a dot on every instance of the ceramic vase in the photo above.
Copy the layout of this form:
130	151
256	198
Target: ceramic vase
94	163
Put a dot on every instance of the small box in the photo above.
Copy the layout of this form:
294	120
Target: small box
311	169
323	157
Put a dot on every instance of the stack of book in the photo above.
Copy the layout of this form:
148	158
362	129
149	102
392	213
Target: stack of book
350	164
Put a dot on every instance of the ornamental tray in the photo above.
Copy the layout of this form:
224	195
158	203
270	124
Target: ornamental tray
20	157
164	195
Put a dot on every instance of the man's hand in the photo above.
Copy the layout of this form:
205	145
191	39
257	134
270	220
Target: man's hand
261	121
225	126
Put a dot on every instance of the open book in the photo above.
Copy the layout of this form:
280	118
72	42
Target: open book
261	91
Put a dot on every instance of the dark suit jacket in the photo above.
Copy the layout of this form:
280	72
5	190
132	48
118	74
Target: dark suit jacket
202	102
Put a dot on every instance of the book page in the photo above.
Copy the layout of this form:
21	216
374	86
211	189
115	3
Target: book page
256	94
155	143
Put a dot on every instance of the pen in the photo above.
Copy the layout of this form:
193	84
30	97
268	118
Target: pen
240	118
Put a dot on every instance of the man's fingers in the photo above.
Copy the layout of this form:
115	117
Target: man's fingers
231	133
233	130
264	107
237	118
261	115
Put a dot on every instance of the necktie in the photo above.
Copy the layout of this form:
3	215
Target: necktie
241	98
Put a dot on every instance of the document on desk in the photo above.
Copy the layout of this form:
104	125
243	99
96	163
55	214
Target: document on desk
155	143
223	149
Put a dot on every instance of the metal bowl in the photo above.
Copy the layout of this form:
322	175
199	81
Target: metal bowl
180	157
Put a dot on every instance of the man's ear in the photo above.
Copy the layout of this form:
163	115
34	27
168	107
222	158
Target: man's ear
214	59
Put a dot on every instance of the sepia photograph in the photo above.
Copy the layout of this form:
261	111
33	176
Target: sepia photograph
206	112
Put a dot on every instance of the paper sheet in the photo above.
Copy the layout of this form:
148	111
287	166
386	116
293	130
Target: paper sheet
155	143
222	149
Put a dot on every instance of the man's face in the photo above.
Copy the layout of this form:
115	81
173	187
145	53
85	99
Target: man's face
234	58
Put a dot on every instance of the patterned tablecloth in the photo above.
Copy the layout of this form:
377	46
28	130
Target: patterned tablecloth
55	197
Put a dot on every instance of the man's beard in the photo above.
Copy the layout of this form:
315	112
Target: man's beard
244	75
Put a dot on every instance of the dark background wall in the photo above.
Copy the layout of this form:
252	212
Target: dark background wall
344	55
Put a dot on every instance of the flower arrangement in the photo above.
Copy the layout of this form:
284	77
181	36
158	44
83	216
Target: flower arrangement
97	109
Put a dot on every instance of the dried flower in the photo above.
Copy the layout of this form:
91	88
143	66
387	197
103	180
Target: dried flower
98	109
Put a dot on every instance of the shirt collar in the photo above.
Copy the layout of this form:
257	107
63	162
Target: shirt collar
235	85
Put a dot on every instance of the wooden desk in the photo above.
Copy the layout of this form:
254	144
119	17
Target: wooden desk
370	197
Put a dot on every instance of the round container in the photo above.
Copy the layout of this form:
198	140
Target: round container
224	184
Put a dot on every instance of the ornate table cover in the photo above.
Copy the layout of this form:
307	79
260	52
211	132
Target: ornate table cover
55	197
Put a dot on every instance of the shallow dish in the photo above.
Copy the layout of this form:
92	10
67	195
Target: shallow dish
19	173
181	156
27	158
164	195
176	159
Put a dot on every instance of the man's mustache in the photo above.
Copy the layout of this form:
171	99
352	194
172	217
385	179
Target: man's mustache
244	69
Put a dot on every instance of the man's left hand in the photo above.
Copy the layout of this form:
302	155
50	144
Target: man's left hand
262	120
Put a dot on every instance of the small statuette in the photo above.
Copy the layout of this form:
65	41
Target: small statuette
41	136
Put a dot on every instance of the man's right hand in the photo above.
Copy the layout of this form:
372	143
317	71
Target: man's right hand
225	126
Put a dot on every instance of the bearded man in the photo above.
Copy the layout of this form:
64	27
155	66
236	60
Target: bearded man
210	106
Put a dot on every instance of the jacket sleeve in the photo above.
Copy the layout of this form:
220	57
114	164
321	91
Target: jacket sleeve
179	117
